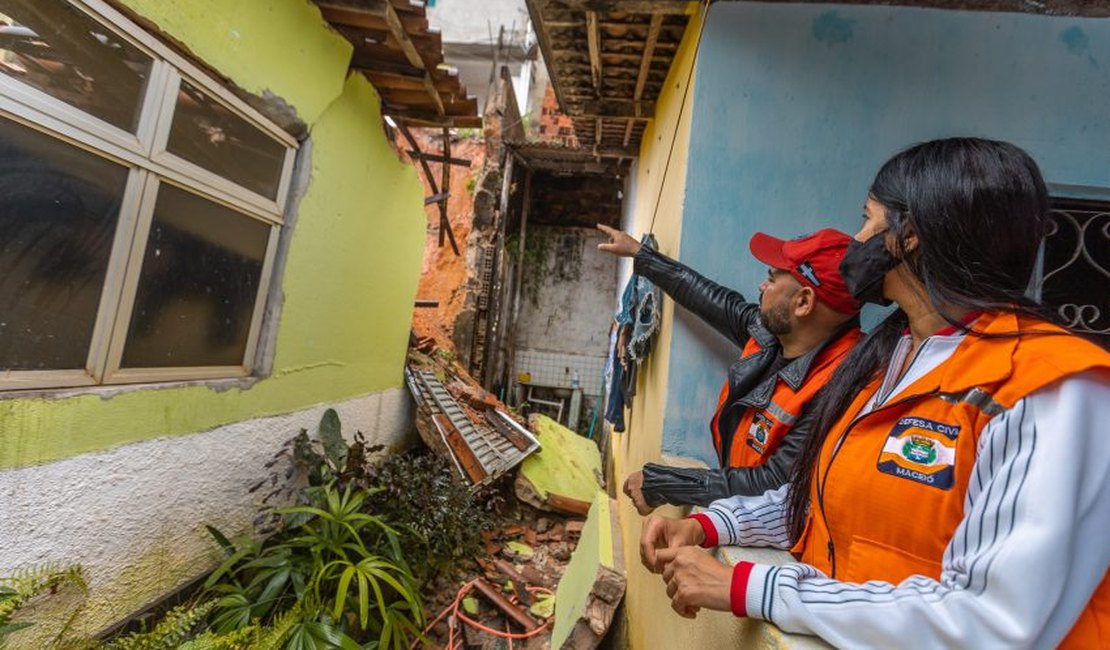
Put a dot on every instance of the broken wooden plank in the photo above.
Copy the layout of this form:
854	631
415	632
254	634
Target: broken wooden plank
439	158
444	223
593	45
397	29
416	117
516	614
445	185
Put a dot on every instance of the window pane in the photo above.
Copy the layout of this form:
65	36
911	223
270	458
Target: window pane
199	281
207	134
68	55
58	217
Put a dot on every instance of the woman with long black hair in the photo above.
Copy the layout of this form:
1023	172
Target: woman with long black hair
956	492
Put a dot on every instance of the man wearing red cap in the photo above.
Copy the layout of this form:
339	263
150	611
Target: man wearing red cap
792	340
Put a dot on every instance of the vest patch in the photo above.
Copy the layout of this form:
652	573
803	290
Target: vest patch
921	450
758	432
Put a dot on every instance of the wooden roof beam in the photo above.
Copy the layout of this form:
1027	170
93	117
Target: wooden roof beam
627	132
593	44
543	35
645	61
414	58
671	7
614	107
369	14
558	53
420	118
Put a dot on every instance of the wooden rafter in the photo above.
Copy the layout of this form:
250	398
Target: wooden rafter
627	132
402	37
445	184
673	7
444	222
614	107
593	45
431	157
380	15
649	50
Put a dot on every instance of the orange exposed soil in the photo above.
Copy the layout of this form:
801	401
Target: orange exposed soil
444	274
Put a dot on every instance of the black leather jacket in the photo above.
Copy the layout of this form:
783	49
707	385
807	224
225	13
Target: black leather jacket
749	385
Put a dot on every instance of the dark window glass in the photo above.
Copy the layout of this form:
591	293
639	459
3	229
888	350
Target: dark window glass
1076	273
58	211
198	285
56	48
207	134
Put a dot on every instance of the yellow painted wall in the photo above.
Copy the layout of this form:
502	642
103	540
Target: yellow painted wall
650	622
650	618
353	260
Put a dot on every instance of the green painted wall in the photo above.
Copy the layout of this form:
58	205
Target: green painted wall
353	261
278	45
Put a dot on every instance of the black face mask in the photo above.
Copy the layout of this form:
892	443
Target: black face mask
864	266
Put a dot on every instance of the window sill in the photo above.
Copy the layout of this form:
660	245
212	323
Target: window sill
106	391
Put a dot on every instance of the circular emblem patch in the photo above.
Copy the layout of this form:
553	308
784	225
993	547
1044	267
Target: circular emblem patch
920	449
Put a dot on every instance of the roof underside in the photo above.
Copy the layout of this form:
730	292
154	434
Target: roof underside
608	59
398	53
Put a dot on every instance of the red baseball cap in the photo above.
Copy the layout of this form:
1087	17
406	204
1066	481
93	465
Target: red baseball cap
813	260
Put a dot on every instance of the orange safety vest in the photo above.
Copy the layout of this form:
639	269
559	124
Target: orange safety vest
760	430
877	477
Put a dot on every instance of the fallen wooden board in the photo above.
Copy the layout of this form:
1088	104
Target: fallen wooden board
594	582
564	475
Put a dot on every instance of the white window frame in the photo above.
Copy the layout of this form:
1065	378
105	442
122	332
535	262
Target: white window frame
150	166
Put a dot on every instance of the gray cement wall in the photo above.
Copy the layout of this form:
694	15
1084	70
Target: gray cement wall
566	307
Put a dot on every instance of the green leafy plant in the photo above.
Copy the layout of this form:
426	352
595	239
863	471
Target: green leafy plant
328	571
342	570
171	632
24	585
418	494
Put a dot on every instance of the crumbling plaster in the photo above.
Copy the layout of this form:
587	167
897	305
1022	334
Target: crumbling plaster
133	517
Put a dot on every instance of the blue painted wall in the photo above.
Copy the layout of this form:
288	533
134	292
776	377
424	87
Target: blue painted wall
797	106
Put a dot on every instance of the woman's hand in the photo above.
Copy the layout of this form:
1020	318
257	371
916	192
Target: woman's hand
620	243
695	580
665	533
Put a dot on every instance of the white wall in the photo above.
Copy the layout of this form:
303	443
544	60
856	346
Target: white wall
133	516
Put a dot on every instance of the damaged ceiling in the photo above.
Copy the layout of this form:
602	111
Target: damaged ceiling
608	61
403	59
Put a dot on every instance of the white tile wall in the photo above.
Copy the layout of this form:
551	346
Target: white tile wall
557	369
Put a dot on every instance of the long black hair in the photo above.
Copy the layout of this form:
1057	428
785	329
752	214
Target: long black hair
979	209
